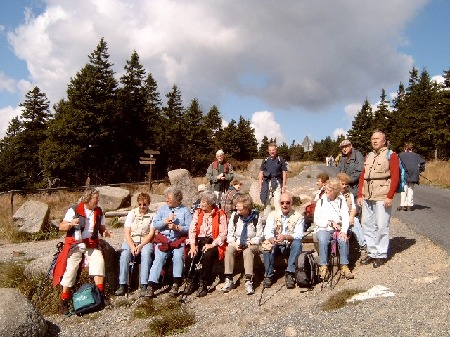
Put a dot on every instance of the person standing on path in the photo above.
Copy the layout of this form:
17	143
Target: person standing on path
414	164
351	163
377	186
219	174
272	179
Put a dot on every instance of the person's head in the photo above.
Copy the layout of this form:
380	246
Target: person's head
321	179
143	200
333	188
201	188
408	147
90	197
244	205
346	147
174	196
272	149
220	156
286	202
378	140
236	184
345	180
207	201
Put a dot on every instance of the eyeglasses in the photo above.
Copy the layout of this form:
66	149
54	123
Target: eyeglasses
142	205
285	202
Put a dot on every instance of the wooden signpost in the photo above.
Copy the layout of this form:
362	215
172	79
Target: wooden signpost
149	161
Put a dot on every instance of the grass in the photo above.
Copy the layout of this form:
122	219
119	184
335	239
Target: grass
339	299
436	173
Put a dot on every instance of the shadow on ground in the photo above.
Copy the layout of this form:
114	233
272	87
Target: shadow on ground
399	244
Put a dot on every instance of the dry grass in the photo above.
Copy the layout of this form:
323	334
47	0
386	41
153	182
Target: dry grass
339	299
436	173
295	167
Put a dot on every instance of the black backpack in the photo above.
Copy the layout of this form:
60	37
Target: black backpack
87	299
306	269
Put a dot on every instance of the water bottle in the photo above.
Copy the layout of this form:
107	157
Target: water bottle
78	238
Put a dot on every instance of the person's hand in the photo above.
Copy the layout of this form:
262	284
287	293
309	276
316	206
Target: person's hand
207	246
352	220
280	238
193	251
74	222
344	236
107	233
171	225
137	250
387	203
359	201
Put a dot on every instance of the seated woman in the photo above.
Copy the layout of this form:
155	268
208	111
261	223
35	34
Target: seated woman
331	214
136	228
245	232
207	239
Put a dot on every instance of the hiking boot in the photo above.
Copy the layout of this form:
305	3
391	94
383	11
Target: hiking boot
173	292
267	283
249	287
345	272
290	281
378	262
228	285
64	307
143	290
323	273
149	292
400	208
363	248
188	287
408	208
367	260
202	290
121	290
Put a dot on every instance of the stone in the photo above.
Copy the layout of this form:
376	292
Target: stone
112	198
182	179
32	217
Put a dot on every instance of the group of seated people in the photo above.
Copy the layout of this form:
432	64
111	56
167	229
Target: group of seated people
205	237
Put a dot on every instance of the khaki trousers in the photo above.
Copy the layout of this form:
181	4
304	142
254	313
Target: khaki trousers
94	259
248	255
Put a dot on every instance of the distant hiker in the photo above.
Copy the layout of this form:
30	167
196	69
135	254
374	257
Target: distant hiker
219	174
136	228
331	216
207	240
196	204
377	186
172	222
228	203
272	179
84	223
414	164
245	231
283	235
351	163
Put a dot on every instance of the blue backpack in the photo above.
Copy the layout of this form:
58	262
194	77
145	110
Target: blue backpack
402	173
87	299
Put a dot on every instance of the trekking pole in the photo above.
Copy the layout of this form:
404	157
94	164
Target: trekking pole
59	247
420	174
188	277
272	255
130	274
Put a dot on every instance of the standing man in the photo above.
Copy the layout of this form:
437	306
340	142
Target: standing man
377	186
219	175
414	164
351	163
272	179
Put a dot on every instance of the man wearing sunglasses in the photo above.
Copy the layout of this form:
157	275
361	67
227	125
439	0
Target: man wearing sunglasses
283	235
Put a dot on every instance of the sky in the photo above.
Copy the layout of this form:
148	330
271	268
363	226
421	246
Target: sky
294	68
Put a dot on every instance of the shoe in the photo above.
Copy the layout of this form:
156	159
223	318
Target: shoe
64	307
105	300
400	208
378	262
367	260
323	273
173	292
149	292
290	281
363	248
143	290
345	272
228	285
121	290
408	208
249	287
189	287
405	208
202	290
267	283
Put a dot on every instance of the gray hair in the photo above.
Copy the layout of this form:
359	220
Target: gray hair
209	197
88	193
176	193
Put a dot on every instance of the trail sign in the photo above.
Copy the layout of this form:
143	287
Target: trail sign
307	144
149	161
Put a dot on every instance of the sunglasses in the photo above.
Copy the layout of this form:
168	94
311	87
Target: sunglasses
143	205
285	202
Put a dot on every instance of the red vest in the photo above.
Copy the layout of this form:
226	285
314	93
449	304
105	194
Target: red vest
217	213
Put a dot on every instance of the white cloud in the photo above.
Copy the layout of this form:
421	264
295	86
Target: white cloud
6	115
265	124
438	79
7	83
351	110
339	132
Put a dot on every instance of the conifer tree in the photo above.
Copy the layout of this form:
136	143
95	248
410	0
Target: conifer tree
382	116
362	128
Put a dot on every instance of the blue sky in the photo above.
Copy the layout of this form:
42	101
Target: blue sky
300	69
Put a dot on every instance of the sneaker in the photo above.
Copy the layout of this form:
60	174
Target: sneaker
149	292
290	281
323	272
249	287
367	260
121	290
143	290
202	291
345	272
173	292
267	283
64	307
228	285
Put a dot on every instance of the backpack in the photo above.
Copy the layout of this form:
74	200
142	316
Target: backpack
87	299
402	174
306	269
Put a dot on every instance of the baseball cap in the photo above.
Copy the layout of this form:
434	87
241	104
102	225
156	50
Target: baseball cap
345	142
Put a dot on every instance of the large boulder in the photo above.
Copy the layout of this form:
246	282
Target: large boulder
112	198
253	168
254	193
19	317
182	179
32	217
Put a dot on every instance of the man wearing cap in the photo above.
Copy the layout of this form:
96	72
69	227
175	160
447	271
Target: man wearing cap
219	174
196	204
351	163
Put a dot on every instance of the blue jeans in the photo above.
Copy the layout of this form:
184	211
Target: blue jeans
376	220
324	237
160	260
295	248
358	231
146	263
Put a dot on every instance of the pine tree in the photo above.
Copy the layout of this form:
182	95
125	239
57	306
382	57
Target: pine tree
362	128
382	116
263	148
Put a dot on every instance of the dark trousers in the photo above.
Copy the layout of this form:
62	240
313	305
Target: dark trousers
206	259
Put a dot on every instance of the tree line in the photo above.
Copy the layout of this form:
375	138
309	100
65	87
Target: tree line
103	127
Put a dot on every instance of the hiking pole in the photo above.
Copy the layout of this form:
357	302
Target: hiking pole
191	277
130	274
272	256
59	247
420	174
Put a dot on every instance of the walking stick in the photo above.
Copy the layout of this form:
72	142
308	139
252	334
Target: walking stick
420	174
190	276
130	274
